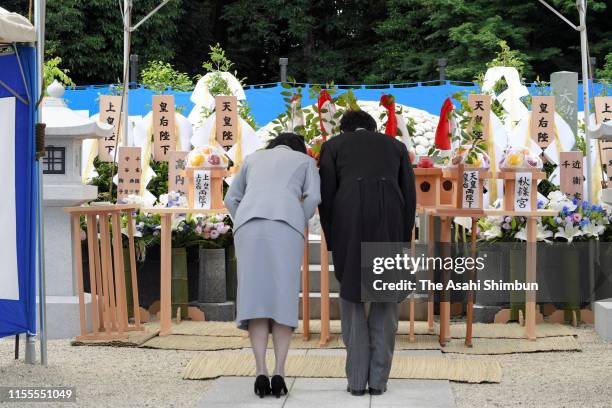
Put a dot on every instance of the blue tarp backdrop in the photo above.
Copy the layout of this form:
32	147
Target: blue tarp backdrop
267	103
18	298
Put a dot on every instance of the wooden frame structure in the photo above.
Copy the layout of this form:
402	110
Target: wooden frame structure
109	311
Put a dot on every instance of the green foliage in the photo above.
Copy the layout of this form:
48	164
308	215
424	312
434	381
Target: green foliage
218	61
606	71
88	36
158	184
507	57
159	76
217	85
52	72
103	180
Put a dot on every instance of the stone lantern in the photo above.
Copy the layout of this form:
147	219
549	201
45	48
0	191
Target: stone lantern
62	187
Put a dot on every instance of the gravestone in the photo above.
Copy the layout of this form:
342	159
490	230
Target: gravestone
564	85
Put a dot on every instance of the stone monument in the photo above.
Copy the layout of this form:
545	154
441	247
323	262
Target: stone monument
62	187
564	85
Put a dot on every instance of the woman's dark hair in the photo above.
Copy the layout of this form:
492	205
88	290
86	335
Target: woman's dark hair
296	142
355	119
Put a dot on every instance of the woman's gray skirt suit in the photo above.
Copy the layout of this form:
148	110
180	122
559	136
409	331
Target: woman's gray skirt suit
270	200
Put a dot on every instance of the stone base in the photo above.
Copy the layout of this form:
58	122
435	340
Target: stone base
218	312
485	314
603	318
63	321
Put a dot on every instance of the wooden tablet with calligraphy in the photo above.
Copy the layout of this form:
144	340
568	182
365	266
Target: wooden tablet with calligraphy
110	110
129	172
226	109
164	129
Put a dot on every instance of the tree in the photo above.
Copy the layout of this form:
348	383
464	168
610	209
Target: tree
88	36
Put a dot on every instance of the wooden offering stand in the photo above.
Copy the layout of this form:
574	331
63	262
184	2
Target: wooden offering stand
428	190
446	213
217	175
509	177
109	309
532	315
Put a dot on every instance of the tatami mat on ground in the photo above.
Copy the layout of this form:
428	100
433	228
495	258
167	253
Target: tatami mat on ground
213	365
423	342
494	331
134	339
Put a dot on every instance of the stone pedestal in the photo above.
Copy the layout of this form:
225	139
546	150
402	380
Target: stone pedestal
63	321
212	283
603	318
212	287
217	311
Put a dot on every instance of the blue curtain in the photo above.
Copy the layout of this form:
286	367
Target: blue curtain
19	316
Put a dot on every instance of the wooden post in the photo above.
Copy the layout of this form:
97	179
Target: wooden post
530	295
165	312
92	245
431	253
98	265
133	270
122	313
78	260
470	299
107	275
324	292
445	239
306	289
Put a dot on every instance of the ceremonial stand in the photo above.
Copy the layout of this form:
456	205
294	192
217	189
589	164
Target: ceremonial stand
446	213
165	294
109	312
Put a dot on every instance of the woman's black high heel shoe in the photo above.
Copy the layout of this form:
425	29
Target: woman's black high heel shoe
278	386
262	386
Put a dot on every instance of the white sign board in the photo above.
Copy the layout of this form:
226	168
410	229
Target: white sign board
522	191
9	280
471	194
202	191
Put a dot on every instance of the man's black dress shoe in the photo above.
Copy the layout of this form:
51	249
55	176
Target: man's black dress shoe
376	391
356	393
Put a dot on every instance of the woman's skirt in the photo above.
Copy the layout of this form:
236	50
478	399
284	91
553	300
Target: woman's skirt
269	257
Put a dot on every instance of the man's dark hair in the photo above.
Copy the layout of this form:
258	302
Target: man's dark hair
355	119
296	142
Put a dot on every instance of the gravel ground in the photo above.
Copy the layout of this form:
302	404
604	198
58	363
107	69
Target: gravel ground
558	379
106	376
128	377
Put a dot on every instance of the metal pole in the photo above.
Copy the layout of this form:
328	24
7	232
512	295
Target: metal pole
581	5
442	68
127	21
283	62
39	18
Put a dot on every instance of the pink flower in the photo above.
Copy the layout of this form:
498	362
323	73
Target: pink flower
198	230
206	235
577	217
224	229
83	235
214	234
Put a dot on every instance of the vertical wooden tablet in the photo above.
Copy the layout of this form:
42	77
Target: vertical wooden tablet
92	245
